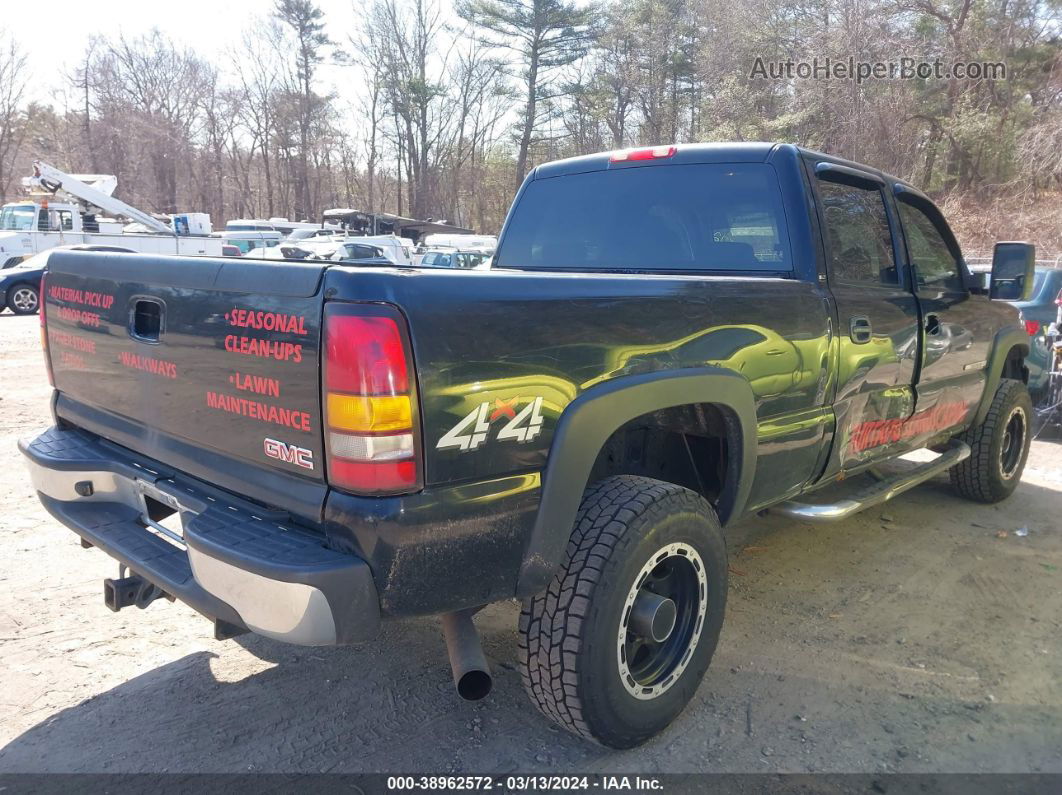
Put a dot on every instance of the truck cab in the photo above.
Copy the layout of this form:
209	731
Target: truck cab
28	227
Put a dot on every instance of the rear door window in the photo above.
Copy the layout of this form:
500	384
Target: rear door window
858	238
696	217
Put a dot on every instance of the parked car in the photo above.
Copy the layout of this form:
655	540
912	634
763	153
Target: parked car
398	250
452	258
20	284
229	250
282	251
381	249
359	252
671	339
314	234
1038	313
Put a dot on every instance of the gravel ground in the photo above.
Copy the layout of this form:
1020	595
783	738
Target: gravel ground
924	636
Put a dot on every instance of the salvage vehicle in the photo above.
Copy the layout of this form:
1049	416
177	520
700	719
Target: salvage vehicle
20	284
1037	314
339	250
454	258
669	339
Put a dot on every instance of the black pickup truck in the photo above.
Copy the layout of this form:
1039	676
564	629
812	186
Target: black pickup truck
669	339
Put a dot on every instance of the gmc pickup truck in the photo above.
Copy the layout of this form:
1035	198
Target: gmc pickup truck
669	339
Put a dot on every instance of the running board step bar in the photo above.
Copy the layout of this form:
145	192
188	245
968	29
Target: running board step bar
876	493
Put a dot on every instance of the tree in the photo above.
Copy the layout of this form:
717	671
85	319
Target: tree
369	59
544	35
406	37
13	80
306	21
146	94
258	78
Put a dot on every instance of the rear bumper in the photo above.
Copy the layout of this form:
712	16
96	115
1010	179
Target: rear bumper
237	563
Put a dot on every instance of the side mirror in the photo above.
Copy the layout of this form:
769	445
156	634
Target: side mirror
1013	269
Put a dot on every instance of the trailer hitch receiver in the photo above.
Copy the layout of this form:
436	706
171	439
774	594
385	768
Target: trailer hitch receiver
128	591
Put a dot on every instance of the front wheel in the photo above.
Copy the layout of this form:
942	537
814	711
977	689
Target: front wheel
616	646
23	299
999	446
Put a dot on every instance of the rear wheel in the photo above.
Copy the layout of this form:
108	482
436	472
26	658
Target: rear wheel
618	643
999	446
23	299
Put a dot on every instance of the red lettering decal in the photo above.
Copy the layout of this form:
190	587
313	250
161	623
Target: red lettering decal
264	412
255	383
148	364
68	340
267	349
75	296
267	386
880	432
78	316
267	321
74	361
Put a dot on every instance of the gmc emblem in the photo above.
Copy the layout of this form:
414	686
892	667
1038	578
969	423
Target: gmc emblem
289	453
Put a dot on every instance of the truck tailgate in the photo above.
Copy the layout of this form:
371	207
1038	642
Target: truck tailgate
207	365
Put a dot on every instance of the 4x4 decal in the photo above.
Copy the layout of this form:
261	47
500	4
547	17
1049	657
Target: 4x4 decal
474	428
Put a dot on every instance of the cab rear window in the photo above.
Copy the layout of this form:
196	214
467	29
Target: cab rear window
713	217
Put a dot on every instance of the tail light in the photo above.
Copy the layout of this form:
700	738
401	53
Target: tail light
1032	327
370	403
1058	298
41	301
652	153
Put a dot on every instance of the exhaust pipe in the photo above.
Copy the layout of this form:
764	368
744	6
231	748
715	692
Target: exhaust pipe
471	672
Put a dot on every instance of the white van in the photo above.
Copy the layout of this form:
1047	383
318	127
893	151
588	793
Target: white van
395	249
250	240
313	234
483	243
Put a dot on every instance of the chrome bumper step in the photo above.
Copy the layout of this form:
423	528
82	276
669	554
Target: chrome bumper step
875	493
238	563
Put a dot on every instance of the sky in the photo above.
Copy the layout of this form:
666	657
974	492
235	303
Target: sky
54	34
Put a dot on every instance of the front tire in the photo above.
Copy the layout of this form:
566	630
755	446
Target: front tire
618	643
999	446
24	299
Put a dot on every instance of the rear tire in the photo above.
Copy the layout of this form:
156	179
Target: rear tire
23	299
618	643
999	446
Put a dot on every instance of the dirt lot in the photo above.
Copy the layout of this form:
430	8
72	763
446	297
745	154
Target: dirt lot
924	636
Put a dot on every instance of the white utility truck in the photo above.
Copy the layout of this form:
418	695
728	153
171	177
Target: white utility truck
64	209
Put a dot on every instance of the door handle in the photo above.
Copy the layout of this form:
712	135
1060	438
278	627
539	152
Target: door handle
932	324
859	330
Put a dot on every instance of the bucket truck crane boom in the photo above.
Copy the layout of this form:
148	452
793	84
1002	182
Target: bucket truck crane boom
53	180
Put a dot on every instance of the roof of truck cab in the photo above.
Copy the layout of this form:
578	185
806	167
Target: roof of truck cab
685	153
727	152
